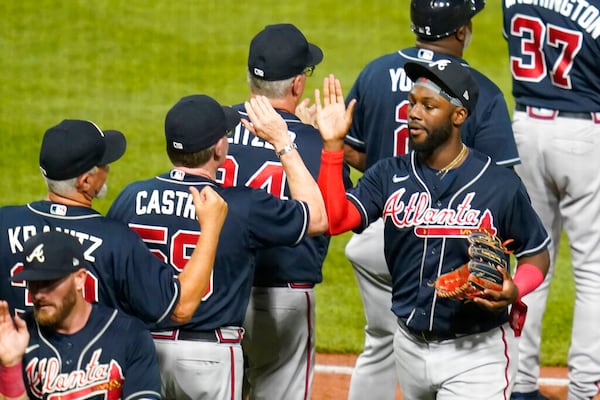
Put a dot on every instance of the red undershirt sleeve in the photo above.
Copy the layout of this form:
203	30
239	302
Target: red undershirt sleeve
342	214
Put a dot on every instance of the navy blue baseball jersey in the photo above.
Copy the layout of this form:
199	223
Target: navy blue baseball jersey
427	220
112	357
380	128
554	61
252	162
162	212
122	273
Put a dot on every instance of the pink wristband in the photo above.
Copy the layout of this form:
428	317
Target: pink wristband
11	381
527	278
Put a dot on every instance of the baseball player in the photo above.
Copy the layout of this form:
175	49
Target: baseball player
74	160
379	130
67	347
430	200
554	64
202	359
279	339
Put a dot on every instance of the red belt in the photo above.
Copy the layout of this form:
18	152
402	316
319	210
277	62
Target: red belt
214	336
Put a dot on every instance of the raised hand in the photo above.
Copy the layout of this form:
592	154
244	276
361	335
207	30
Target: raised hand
333	117
14	337
306	112
266	123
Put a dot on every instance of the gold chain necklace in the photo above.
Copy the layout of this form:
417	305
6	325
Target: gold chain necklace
453	163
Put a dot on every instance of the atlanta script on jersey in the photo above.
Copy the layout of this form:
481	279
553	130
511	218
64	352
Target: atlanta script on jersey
112	357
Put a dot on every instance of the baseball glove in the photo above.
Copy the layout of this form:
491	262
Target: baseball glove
486	253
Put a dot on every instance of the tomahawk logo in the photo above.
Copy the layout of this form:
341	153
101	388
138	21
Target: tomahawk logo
440	64
37	253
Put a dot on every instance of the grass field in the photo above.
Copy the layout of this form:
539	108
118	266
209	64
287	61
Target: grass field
123	64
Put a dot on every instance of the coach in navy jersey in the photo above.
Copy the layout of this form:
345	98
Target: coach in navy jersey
554	50
67	347
380	130
196	130
74	160
279	346
430	201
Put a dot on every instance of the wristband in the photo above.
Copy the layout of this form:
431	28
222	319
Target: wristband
527	278
290	147
11	381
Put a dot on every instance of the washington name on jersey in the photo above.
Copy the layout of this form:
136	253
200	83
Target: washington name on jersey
584	14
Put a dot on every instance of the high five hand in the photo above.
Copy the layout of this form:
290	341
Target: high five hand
333	117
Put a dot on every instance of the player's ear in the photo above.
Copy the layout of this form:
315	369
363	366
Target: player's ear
221	149
298	85
463	32
80	278
459	116
83	181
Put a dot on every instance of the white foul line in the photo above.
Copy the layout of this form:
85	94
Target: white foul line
345	370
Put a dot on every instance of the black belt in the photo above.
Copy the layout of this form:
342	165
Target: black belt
428	336
214	336
557	113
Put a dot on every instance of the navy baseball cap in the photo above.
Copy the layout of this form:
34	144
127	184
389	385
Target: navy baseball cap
280	52
197	122
50	255
454	78
75	146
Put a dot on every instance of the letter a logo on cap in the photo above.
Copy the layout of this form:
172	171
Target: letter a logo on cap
37	253
466	95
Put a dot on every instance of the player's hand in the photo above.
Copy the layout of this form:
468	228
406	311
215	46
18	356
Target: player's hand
333	117
266	123
306	112
14	337
211	209
498	300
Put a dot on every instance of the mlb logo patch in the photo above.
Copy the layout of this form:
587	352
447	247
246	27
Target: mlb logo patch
58	209
177	174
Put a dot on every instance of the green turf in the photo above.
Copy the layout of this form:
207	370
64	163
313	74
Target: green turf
123	64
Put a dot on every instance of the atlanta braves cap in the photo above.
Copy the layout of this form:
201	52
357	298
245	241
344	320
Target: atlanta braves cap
280	52
50	255
454	78
75	146
197	122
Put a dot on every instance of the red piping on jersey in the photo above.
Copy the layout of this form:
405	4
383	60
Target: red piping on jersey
341	213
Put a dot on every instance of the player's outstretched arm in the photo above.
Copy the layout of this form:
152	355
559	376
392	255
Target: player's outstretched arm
267	124
211	211
14	338
334	120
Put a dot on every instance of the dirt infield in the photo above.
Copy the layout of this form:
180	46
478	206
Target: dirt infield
332	377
